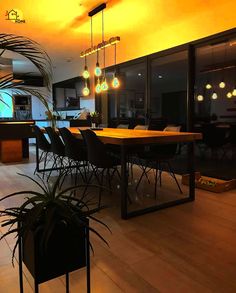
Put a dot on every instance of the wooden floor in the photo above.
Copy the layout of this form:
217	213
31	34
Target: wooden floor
188	248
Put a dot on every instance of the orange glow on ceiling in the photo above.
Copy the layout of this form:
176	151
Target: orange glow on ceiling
145	27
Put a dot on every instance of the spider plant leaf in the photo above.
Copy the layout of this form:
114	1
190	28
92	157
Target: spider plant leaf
14	251
36	182
99	235
75	188
16	230
20	193
100	222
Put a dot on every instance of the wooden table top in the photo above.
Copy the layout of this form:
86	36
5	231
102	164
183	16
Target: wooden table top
132	137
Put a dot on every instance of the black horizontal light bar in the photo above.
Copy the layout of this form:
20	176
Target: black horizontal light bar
97	9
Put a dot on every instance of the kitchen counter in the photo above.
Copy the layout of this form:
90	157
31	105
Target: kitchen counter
14	139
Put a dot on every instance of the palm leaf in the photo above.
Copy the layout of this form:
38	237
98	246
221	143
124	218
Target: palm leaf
32	51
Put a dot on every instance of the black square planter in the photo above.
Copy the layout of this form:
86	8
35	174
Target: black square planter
66	252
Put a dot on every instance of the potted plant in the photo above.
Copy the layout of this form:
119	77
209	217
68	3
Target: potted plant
52	228
95	118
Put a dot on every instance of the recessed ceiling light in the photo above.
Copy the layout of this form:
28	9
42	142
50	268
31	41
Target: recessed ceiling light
139	74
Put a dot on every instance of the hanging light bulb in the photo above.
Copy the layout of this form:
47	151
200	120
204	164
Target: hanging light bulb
98	87
200	98
208	86
85	72
115	81
234	92
104	85
97	70
222	84
229	95
86	90
214	96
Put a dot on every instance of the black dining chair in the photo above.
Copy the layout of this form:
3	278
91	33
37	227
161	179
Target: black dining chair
44	146
157	157
75	151
214	137
101	159
58	149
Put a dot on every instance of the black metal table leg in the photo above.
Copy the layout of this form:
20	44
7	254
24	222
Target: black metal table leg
36	287
191	171
124	183
67	283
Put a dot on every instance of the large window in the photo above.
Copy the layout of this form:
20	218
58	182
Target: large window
168	96
129	101
215	82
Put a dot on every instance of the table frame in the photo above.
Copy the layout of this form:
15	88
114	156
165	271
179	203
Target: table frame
124	138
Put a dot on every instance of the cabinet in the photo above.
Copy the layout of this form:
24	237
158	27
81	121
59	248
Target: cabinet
22	107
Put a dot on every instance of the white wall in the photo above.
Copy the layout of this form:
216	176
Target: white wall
6	111
38	109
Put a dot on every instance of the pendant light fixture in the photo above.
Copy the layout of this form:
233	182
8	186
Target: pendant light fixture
234	92
100	74
98	88
85	72
104	85
200	98
222	83
229	95
208	86
86	90
214	96
115	81
97	70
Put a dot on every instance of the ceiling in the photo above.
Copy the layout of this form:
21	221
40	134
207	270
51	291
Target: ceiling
63	27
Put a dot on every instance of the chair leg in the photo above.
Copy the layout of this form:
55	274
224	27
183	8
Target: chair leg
156	178
144	168
45	163
109	180
173	175
40	158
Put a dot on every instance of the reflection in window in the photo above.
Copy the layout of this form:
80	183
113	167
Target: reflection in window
169	88
129	100
215	83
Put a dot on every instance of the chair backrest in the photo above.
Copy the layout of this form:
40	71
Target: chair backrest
123	126
97	152
172	128
41	140
141	127
74	147
168	150
57	145
156	124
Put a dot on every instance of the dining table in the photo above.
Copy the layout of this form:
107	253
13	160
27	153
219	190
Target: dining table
126	138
